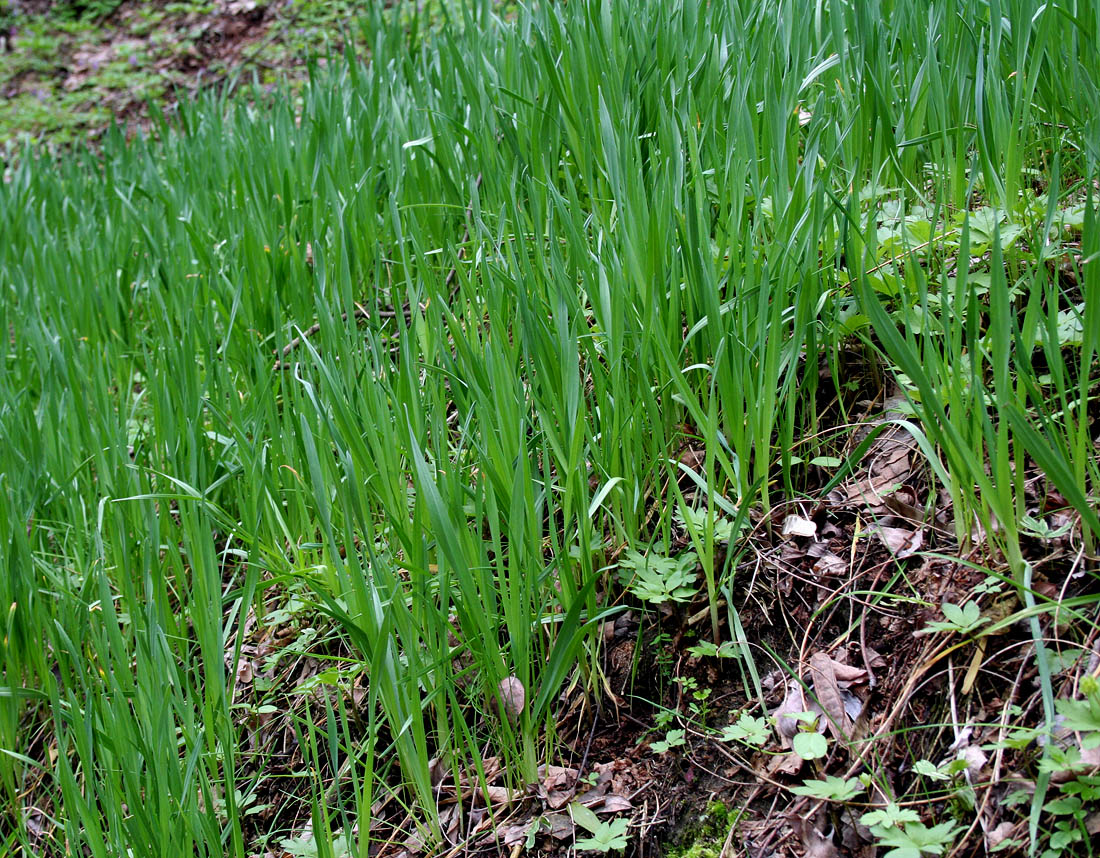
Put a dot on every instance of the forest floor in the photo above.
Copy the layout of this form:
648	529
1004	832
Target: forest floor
71	70
914	652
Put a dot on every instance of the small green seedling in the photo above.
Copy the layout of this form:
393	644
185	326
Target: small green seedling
962	620
673	739
830	788
1083	716
891	816
747	729
706	649
607	836
928	769
915	839
657	579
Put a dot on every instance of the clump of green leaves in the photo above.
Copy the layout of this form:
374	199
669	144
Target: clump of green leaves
964	620
609	836
658	579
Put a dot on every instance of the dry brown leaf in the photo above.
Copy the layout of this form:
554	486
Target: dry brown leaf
829	696
999	834
499	795
796	702
900	541
784	764
846	674
245	672
437	770
558	785
830	565
889	467
614	804
975	758
516	832
449	819
901	504
561	825
602	797
975	666
816	844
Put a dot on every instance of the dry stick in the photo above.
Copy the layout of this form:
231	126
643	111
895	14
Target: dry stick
389	313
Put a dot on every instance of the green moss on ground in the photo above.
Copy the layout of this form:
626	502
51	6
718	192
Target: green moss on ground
706	839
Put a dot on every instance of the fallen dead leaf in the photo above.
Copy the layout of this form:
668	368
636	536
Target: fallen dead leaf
975	758
499	795
512	697
899	541
796	525
888	468
561	825
244	672
816	844
827	689
999	834
796	702
784	764
557	785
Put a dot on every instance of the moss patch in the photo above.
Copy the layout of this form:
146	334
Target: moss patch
706	839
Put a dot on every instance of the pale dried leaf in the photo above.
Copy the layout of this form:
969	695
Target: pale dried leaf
784	764
873	658
513	697
245	672
516	832
976	759
888	468
499	795
796	525
615	804
900	505
449	819
558	785
437	770
561	825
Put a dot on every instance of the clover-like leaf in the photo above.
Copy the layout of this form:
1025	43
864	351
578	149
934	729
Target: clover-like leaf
916	838
891	816
673	739
748	729
608	837
830	788
929	770
658	579
963	620
810	746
